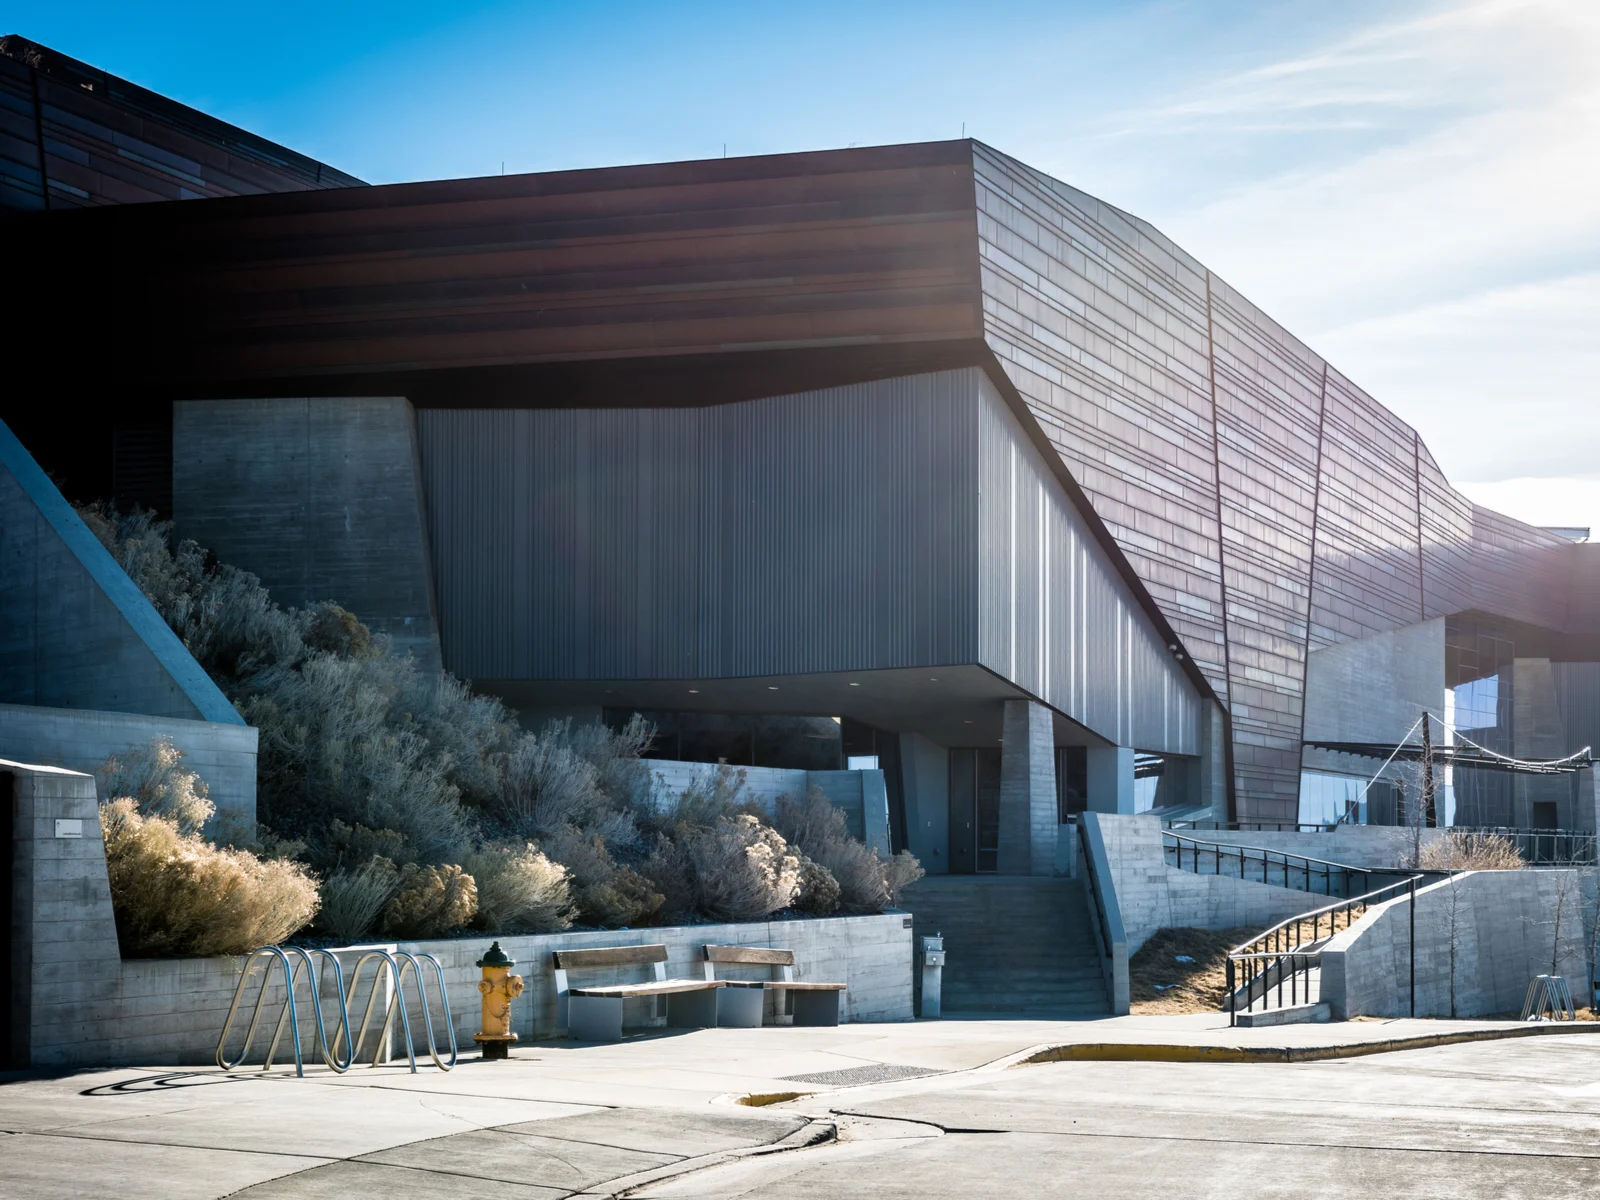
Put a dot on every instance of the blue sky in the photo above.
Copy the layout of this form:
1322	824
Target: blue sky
1411	187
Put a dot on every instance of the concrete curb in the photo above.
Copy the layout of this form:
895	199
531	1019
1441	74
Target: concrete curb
1156	1052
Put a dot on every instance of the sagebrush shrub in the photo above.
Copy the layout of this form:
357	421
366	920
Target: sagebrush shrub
818	893
1453	851
520	890
429	901
352	899
867	883
604	892
155	779
741	870
175	894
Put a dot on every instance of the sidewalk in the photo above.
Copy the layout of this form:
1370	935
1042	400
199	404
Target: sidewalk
557	1118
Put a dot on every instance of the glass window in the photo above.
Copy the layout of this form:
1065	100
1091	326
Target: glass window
1327	798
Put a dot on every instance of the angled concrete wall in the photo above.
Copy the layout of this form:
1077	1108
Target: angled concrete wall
1152	895
319	497
75	631
1504	928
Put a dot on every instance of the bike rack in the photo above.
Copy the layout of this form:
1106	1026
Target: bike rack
1552	994
289	1015
398	962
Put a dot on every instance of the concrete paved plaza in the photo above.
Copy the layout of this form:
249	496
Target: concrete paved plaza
910	1110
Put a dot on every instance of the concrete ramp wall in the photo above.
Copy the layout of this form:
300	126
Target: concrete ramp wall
1481	937
1152	895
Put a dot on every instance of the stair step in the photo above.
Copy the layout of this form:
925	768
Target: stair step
1013	944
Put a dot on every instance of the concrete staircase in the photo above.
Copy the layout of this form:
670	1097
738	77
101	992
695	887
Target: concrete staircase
1014	945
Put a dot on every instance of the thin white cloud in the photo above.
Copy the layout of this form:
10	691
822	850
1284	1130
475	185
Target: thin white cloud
1435	232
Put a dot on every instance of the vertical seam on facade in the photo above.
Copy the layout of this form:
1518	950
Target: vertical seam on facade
1216	468
1230	781
1311	569
38	133
1416	467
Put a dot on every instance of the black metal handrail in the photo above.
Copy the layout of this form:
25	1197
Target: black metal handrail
1253	826
1541	847
1280	953
1288	865
1093	887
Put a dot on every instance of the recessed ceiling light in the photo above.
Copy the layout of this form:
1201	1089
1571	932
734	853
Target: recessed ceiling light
932	679
966	722
855	685
694	691
770	688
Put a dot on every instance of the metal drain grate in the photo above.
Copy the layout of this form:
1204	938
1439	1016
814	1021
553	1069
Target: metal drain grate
853	1076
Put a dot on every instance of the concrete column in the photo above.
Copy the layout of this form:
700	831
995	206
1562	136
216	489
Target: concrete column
1111	779
1213	782
1027	790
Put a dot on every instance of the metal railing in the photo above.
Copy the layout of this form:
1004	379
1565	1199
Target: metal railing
1276	867
1288	952
1202	826
1541	847
291	959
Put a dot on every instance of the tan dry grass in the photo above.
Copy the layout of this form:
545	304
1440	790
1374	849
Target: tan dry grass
1201	986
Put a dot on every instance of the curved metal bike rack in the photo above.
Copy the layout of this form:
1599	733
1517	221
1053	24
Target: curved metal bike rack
289	1016
353	1041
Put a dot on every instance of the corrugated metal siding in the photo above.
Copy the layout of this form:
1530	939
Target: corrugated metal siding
902	523
822	531
1054	616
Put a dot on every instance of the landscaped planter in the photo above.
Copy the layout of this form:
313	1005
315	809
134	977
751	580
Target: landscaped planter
169	1011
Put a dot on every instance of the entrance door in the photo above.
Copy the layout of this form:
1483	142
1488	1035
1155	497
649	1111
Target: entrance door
974	811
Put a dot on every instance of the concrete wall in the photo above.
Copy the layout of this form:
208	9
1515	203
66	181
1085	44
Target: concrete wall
75	631
222	755
1152	895
63	939
1505	933
861	795
319	497
171	1010
1374	689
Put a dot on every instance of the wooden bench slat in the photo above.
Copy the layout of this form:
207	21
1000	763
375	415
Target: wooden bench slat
650	989
609	956
780	985
754	955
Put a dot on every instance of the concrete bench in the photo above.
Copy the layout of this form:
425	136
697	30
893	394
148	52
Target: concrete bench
594	1014
739	1004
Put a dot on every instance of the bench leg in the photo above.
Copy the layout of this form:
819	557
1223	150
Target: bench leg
816	1008
594	1018
740	1008
692	1010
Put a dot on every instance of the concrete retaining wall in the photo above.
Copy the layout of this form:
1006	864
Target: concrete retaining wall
76	1002
171	1010
1503	924
1152	895
222	755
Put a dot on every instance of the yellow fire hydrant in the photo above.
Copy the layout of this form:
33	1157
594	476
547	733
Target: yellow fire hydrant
498	987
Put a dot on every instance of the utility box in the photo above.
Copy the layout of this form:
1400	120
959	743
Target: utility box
932	974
